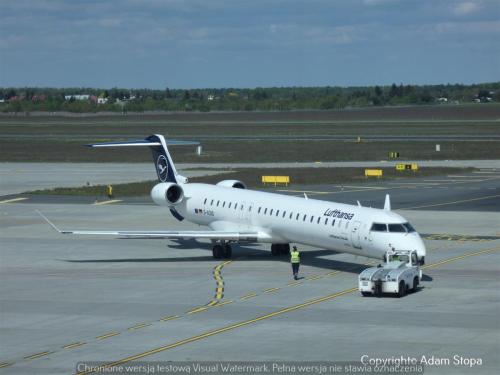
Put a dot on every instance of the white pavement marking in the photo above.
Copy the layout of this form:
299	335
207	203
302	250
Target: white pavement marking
107	202
13	200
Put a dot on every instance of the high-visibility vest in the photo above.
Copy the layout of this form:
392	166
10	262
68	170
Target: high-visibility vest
294	257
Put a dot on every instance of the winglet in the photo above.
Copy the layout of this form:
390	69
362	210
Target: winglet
387	203
359	204
305	196
49	222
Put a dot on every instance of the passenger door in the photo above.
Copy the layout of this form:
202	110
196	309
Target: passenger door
355	236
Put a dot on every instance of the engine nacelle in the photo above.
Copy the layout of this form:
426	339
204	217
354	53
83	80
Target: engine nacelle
167	194
232	184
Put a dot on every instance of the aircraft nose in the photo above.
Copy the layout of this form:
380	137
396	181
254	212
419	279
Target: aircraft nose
418	245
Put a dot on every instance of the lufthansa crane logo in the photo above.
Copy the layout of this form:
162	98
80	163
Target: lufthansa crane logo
162	168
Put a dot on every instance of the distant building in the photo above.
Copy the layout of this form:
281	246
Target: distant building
77	97
210	97
442	100
102	100
38	98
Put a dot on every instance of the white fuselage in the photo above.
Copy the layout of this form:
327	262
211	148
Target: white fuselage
279	218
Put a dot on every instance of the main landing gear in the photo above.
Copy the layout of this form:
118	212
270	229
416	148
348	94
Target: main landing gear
222	250
280	249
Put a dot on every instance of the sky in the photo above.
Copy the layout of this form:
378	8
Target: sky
244	44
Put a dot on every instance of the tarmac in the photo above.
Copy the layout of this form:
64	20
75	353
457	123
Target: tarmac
67	299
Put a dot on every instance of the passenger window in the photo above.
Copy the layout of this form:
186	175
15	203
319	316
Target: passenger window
312	218
319	218
271	212
259	210
218	203
277	212
284	213
326	221
265	211
397	228
235	206
205	201
249	208
333	223
305	216
297	218
229	205
378	227
291	214
224	204
242	207
212	202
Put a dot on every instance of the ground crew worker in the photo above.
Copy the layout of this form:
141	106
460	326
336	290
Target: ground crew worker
110	191
295	260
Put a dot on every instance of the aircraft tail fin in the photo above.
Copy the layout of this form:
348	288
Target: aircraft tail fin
165	168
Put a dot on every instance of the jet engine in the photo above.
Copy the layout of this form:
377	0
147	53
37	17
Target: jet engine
232	184
167	194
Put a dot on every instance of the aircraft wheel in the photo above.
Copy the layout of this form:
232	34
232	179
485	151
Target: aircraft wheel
227	251
285	249
217	251
402	289
275	249
415	284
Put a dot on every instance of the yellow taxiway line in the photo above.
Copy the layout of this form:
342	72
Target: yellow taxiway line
37	355
138	326
107	335
221	330
170	317
263	317
74	345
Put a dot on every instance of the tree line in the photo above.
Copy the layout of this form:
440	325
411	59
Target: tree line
29	99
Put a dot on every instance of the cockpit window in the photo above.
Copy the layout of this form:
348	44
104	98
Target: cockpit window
378	227
408	227
399	228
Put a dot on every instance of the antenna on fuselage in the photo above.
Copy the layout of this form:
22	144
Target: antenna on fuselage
387	203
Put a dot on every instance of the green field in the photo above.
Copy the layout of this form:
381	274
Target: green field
260	136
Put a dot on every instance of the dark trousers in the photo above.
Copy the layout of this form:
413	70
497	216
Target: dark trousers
295	268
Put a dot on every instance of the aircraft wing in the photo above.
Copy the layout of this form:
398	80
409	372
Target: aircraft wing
208	234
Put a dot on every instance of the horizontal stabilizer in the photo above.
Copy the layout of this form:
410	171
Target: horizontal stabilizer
143	142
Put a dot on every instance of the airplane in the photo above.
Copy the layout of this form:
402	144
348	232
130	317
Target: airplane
235	214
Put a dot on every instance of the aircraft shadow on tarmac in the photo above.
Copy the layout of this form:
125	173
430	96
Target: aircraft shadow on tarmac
243	253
